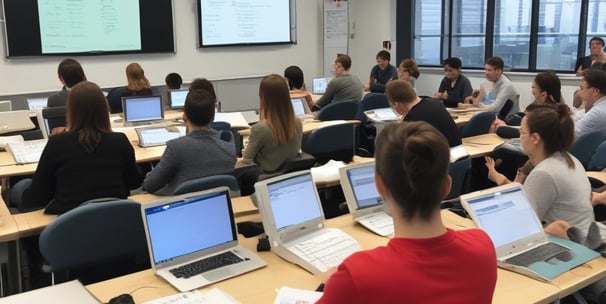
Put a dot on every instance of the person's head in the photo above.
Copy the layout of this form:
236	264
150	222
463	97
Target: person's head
276	108
203	84
383	58
136	77
411	164
593	86
199	109
452	68
342	64
87	114
408	69
400	95
70	72
596	46
493	68
547	130
546	87
294	75
173	81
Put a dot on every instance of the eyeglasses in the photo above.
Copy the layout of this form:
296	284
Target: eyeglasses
585	87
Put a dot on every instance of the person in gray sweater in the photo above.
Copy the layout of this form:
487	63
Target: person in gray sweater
198	154
344	87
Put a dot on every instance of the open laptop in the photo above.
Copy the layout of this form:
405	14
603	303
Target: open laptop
319	85
301	108
142	110
364	202
36	103
506	215
382	115
196	228
15	121
293	220
177	98
158	136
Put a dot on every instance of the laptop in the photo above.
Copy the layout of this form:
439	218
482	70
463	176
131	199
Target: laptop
506	215
142	110
301	108
36	103
382	115
6	106
195	228
158	136
364	202
294	222
319	85
177	98
15	121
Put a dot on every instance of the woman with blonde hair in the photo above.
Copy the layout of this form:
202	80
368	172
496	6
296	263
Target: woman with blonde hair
138	85
277	136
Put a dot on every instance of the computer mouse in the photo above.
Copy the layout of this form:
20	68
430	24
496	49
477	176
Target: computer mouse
124	298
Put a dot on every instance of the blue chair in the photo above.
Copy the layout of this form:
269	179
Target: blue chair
331	142
584	147
209	182
106	236
114	98
598	160
369	102
459	172
302	161
478	124
345	110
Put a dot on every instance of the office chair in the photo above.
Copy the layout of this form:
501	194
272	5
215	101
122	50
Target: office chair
598	159
114	98
330	142
209	182
584	147
459	172
505	109
52	120
369	102
96	241
345	110
478	124
302	161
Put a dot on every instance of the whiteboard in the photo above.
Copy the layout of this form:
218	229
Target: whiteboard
336	32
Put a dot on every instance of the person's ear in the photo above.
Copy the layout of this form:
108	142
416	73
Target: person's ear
447	186
380	186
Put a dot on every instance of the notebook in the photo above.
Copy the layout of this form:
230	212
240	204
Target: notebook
36	103
177	98
382	115
142	110
195	227
157	136
293	220
506	215
15	121
319	85
364	202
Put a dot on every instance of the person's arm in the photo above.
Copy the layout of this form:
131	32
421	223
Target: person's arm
464	89
442	88
163	171
591	121
256	140
42	189
558	228
541	191
131	173
506	91
340	288
493	174
331	89
372	79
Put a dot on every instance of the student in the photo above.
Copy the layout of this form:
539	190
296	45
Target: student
596	55
138	85
85	162
277	136
344	87
206	85
296	84
455	87
173	81
198	154
403	99
70	73
593	92
381	73
424	262
494	95
408	71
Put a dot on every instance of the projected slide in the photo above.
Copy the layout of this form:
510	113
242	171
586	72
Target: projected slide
68	26
244	21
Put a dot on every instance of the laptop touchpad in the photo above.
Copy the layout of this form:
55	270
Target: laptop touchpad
218	274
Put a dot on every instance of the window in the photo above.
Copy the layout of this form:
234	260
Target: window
427	45
469	31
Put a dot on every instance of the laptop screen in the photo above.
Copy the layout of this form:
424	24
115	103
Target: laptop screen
177	98
185	226
319	85
506	216
362	181
293	201
142	108
297	105
36	103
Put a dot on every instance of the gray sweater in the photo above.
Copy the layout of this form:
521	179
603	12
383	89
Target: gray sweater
345	87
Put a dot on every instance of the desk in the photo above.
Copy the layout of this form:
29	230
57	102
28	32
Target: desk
599	175
308	127
481	145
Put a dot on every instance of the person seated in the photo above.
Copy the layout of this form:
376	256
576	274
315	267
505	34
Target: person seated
198	154
173	81
593	93
296	84
206	85
85	162
70	73
596	55
277	136
408	71
411	174
138	85
455	87
404	100
381	73
344	87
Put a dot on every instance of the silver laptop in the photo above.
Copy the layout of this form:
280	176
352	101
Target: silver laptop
6	106
158	136
505	214
364	202
142	110
301	108
382	115
15	121
36	103
195	231
294	222
319	85
177	98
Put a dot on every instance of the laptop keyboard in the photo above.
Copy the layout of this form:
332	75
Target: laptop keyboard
379	223
207	264
538	254
27	151
327	249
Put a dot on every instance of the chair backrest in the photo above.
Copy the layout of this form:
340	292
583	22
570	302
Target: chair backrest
331	142
598	160
51	118
209	182
338	110
221	125
458	171
93	234
506	109
114	98
584	147
302	161
371	101
478	124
